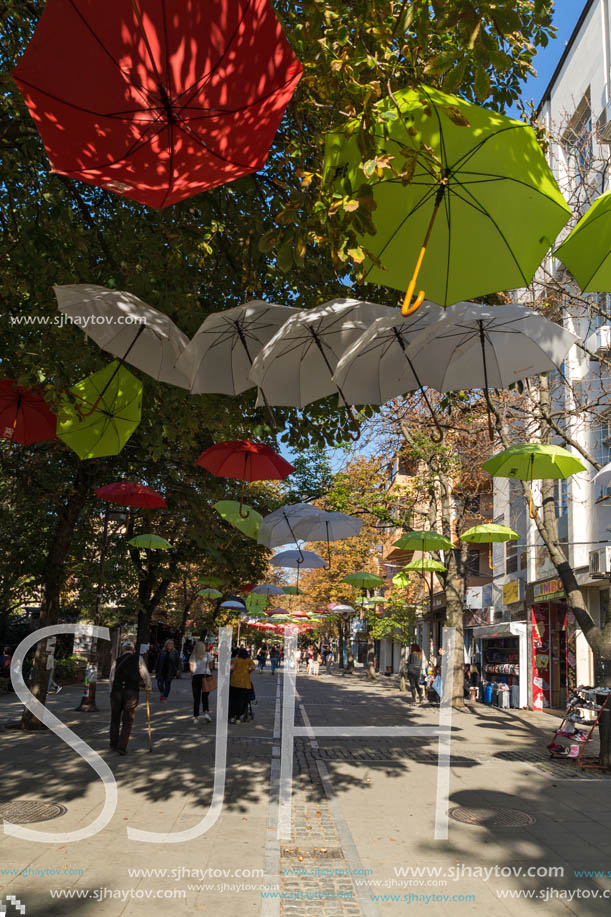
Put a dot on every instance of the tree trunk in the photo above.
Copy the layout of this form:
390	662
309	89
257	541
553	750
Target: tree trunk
55	572
348	645
371	660
340	643
454	600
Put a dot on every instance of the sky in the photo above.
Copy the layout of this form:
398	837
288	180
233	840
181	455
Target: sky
566	14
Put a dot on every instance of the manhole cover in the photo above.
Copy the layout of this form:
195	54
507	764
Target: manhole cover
489	817
26	811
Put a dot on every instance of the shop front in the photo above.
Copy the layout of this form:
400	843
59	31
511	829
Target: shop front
500	655
554	647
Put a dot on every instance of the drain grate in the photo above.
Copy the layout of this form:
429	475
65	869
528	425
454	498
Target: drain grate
26	811
488	817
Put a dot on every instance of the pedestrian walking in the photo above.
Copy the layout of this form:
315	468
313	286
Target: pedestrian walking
329	660
125	675
52	683
262	658
415	670
201	664
274	658
167	668
240	686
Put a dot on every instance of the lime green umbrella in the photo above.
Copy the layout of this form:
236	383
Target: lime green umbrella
210	593
401	580
99	414
247	522
292	590
468	187
150	543
256	602
488	533
533	462
363	580
586	251
209	579
425	564
423	541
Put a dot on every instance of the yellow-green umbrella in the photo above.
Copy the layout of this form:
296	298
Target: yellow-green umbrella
489	533
150	543
423	541
247	522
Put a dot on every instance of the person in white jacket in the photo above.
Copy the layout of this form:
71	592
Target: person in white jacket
201	664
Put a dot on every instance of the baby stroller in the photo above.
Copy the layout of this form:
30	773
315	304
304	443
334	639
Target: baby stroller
252	699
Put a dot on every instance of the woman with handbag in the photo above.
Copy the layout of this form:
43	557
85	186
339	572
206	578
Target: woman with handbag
203	681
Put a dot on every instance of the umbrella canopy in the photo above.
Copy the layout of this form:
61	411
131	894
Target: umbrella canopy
219	357
586	251
269	589
603	477
248	524
339	608
209	579
292	590
234	604
210	593
425	565
130	493
277	528
423	541
376	367
477	346
123	325
296	559
327	526
296	366
489	532
100	413
256	603
150	543
532	462
363	580
401	580
274	612
474	174
25	417
155	100
244	461
299	614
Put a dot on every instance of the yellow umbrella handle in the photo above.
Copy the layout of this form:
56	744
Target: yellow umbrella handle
406	309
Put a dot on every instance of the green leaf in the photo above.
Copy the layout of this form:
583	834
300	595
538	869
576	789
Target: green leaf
482	84
441	62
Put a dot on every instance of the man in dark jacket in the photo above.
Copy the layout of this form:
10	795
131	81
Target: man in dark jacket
127	670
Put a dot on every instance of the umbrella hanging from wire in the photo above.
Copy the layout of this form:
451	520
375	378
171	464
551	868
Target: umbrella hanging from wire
377	368
278	527
423	541
327	526
476	346
25	416
296	366
296	559
473	175
219	357
131	494
157	101
231	512
586	251
99	414
269	589
244	461
426	565
489	533
126	327
533	462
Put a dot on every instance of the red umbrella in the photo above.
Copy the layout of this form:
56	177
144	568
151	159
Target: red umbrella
25	417
157	100
244	461
129	493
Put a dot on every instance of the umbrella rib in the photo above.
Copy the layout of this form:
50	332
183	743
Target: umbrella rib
113	116
478	146
491	176
136	145
421	203
184	126
216	112
129	80
170	164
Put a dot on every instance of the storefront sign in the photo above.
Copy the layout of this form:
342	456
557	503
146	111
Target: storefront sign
512	592
439	600
550	589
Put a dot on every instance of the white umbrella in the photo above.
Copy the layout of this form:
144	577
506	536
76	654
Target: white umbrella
296	559
603	477
338	608
296	367
123	325
268	589
233	603
376	367
327	526
476	346
219	357
277	528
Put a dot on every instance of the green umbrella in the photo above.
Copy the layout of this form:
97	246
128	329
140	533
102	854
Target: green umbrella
210	593
292	590
256	602
586	251
248	524
467	186
209	579
423	541
99	414
487	534
425	564
401	580
150	543
533	462
363	580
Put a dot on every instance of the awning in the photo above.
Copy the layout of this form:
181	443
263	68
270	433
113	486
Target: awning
502	629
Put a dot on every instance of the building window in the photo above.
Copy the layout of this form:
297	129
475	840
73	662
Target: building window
511	557
561	498
604	608
601	439
577	143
